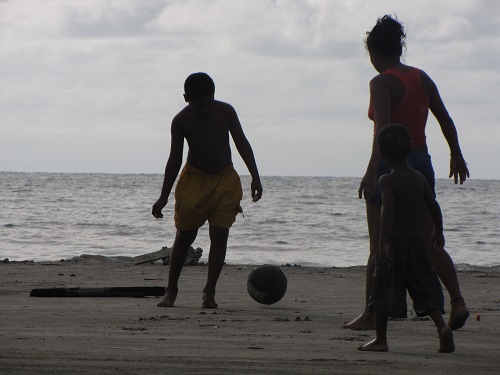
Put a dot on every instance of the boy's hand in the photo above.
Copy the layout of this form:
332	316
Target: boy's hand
256	187
158	206
438	241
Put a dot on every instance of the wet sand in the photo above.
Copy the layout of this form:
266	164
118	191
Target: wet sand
300	334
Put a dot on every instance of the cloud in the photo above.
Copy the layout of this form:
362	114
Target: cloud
110	19
107	76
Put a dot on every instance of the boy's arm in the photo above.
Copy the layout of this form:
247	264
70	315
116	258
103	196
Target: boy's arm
386	216
245	150
437	217
171	169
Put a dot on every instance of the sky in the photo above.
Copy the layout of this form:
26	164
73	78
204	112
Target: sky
92	86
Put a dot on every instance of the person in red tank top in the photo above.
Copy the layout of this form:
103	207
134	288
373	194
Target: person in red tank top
412	110
404	94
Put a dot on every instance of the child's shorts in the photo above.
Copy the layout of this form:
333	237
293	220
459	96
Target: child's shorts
411	270
200	197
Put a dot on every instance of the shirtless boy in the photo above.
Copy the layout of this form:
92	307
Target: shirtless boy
403	262
208	188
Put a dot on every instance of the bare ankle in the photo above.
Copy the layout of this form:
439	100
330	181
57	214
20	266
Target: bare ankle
457	301
446	342
209	300
171	291
169	297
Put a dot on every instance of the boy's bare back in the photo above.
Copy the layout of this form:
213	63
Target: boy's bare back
406	195
207	134
405	191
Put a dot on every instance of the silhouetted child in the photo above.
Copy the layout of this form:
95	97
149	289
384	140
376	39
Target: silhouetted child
403	261
208	188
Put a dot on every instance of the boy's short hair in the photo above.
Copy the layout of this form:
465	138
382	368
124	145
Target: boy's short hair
198	85
394	142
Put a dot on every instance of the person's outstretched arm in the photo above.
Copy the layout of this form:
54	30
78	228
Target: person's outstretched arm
245	150
172	168
437	217
458	166
386	217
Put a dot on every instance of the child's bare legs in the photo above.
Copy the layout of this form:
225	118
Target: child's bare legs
183	240
218	247
379	344
448	275
367	319
442	262
446	343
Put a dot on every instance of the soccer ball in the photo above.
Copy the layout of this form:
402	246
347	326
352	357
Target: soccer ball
267	284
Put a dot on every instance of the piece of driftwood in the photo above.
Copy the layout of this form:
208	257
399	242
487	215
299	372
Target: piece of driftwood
192	258
127	291
151	257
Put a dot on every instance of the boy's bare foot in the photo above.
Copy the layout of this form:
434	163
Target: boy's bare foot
374	346
209	301
459	313
364	322
446	343
168	299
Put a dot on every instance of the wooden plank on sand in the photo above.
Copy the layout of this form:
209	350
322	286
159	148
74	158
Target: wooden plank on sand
151	257
132	291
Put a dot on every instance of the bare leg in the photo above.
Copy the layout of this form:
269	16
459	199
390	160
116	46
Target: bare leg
446	343
448	275
183	240
218	247
367	319
379	344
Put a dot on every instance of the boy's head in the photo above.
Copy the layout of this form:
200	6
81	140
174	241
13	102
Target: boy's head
394	142
198	85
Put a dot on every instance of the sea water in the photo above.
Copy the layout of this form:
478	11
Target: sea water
308	221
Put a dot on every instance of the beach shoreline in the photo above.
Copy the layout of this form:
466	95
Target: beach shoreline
300	334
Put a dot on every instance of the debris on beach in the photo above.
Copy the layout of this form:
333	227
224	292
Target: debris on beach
192	259
130	291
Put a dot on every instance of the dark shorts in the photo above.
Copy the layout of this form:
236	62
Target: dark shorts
418	160
411	270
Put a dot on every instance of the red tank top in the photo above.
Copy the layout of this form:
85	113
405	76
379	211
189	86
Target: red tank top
413	109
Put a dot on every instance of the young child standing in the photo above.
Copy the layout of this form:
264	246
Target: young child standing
403	261
208	188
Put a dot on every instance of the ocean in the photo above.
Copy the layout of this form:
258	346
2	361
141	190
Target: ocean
307	221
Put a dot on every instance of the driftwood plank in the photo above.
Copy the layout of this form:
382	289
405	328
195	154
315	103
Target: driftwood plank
131	291
151	257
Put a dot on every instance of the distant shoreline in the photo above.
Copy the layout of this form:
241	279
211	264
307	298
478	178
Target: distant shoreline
160	175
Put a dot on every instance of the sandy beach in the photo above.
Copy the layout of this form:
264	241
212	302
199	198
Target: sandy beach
300	334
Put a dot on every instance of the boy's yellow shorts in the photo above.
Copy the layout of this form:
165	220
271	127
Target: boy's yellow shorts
200	197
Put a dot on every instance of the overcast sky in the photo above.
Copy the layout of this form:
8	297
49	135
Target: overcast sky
92	86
